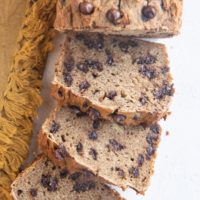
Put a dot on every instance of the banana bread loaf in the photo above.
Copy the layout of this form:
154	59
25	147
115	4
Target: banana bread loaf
141	18
43	180
121	155
115	78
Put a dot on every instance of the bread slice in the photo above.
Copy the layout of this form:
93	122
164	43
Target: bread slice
141	18
120	78
121	155
43	180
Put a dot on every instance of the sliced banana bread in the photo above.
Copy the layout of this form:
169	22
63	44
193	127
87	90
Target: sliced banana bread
120	78
121	155
43	180
141	18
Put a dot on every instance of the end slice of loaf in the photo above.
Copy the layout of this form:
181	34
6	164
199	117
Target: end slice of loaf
121	155
139	18
43	180
122	79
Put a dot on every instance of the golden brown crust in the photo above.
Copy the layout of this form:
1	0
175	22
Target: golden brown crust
166	23
71	99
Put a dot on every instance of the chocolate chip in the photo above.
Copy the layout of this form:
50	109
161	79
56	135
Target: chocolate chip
79	148
147	71
100	42
116	145
84	86
45	180
148	12
151	138
120	172
95	64
54	127
134	172
155	128
93	153
77	111
165	90
33	192
124	46
83	187
149	59
140	160
69	64
52	187
150	150
94	114
96	124
97	44
164	70
86	8
119	118
93	135
112	94
19	192
64	173
63	138
110	59
75	176
68	79
114	16
82	67
89	43
143	100
61	152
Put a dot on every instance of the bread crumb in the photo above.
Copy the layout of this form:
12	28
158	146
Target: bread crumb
167	133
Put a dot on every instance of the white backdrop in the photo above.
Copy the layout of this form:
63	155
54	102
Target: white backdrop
177	169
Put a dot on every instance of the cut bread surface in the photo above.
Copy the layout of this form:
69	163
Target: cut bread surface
121	155
45	181
123	79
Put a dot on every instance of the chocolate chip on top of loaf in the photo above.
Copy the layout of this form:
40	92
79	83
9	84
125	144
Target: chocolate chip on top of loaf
121	155
125	80
155	18
43	180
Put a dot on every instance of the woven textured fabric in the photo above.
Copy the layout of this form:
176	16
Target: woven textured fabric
21	98
11	16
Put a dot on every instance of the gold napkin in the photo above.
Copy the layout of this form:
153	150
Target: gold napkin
11	15
21	93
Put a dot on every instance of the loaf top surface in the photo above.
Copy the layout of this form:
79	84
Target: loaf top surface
119	74
43	180
141	18
121	155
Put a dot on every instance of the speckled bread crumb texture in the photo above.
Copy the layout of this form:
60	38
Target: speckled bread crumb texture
125	80
44	180
128	161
